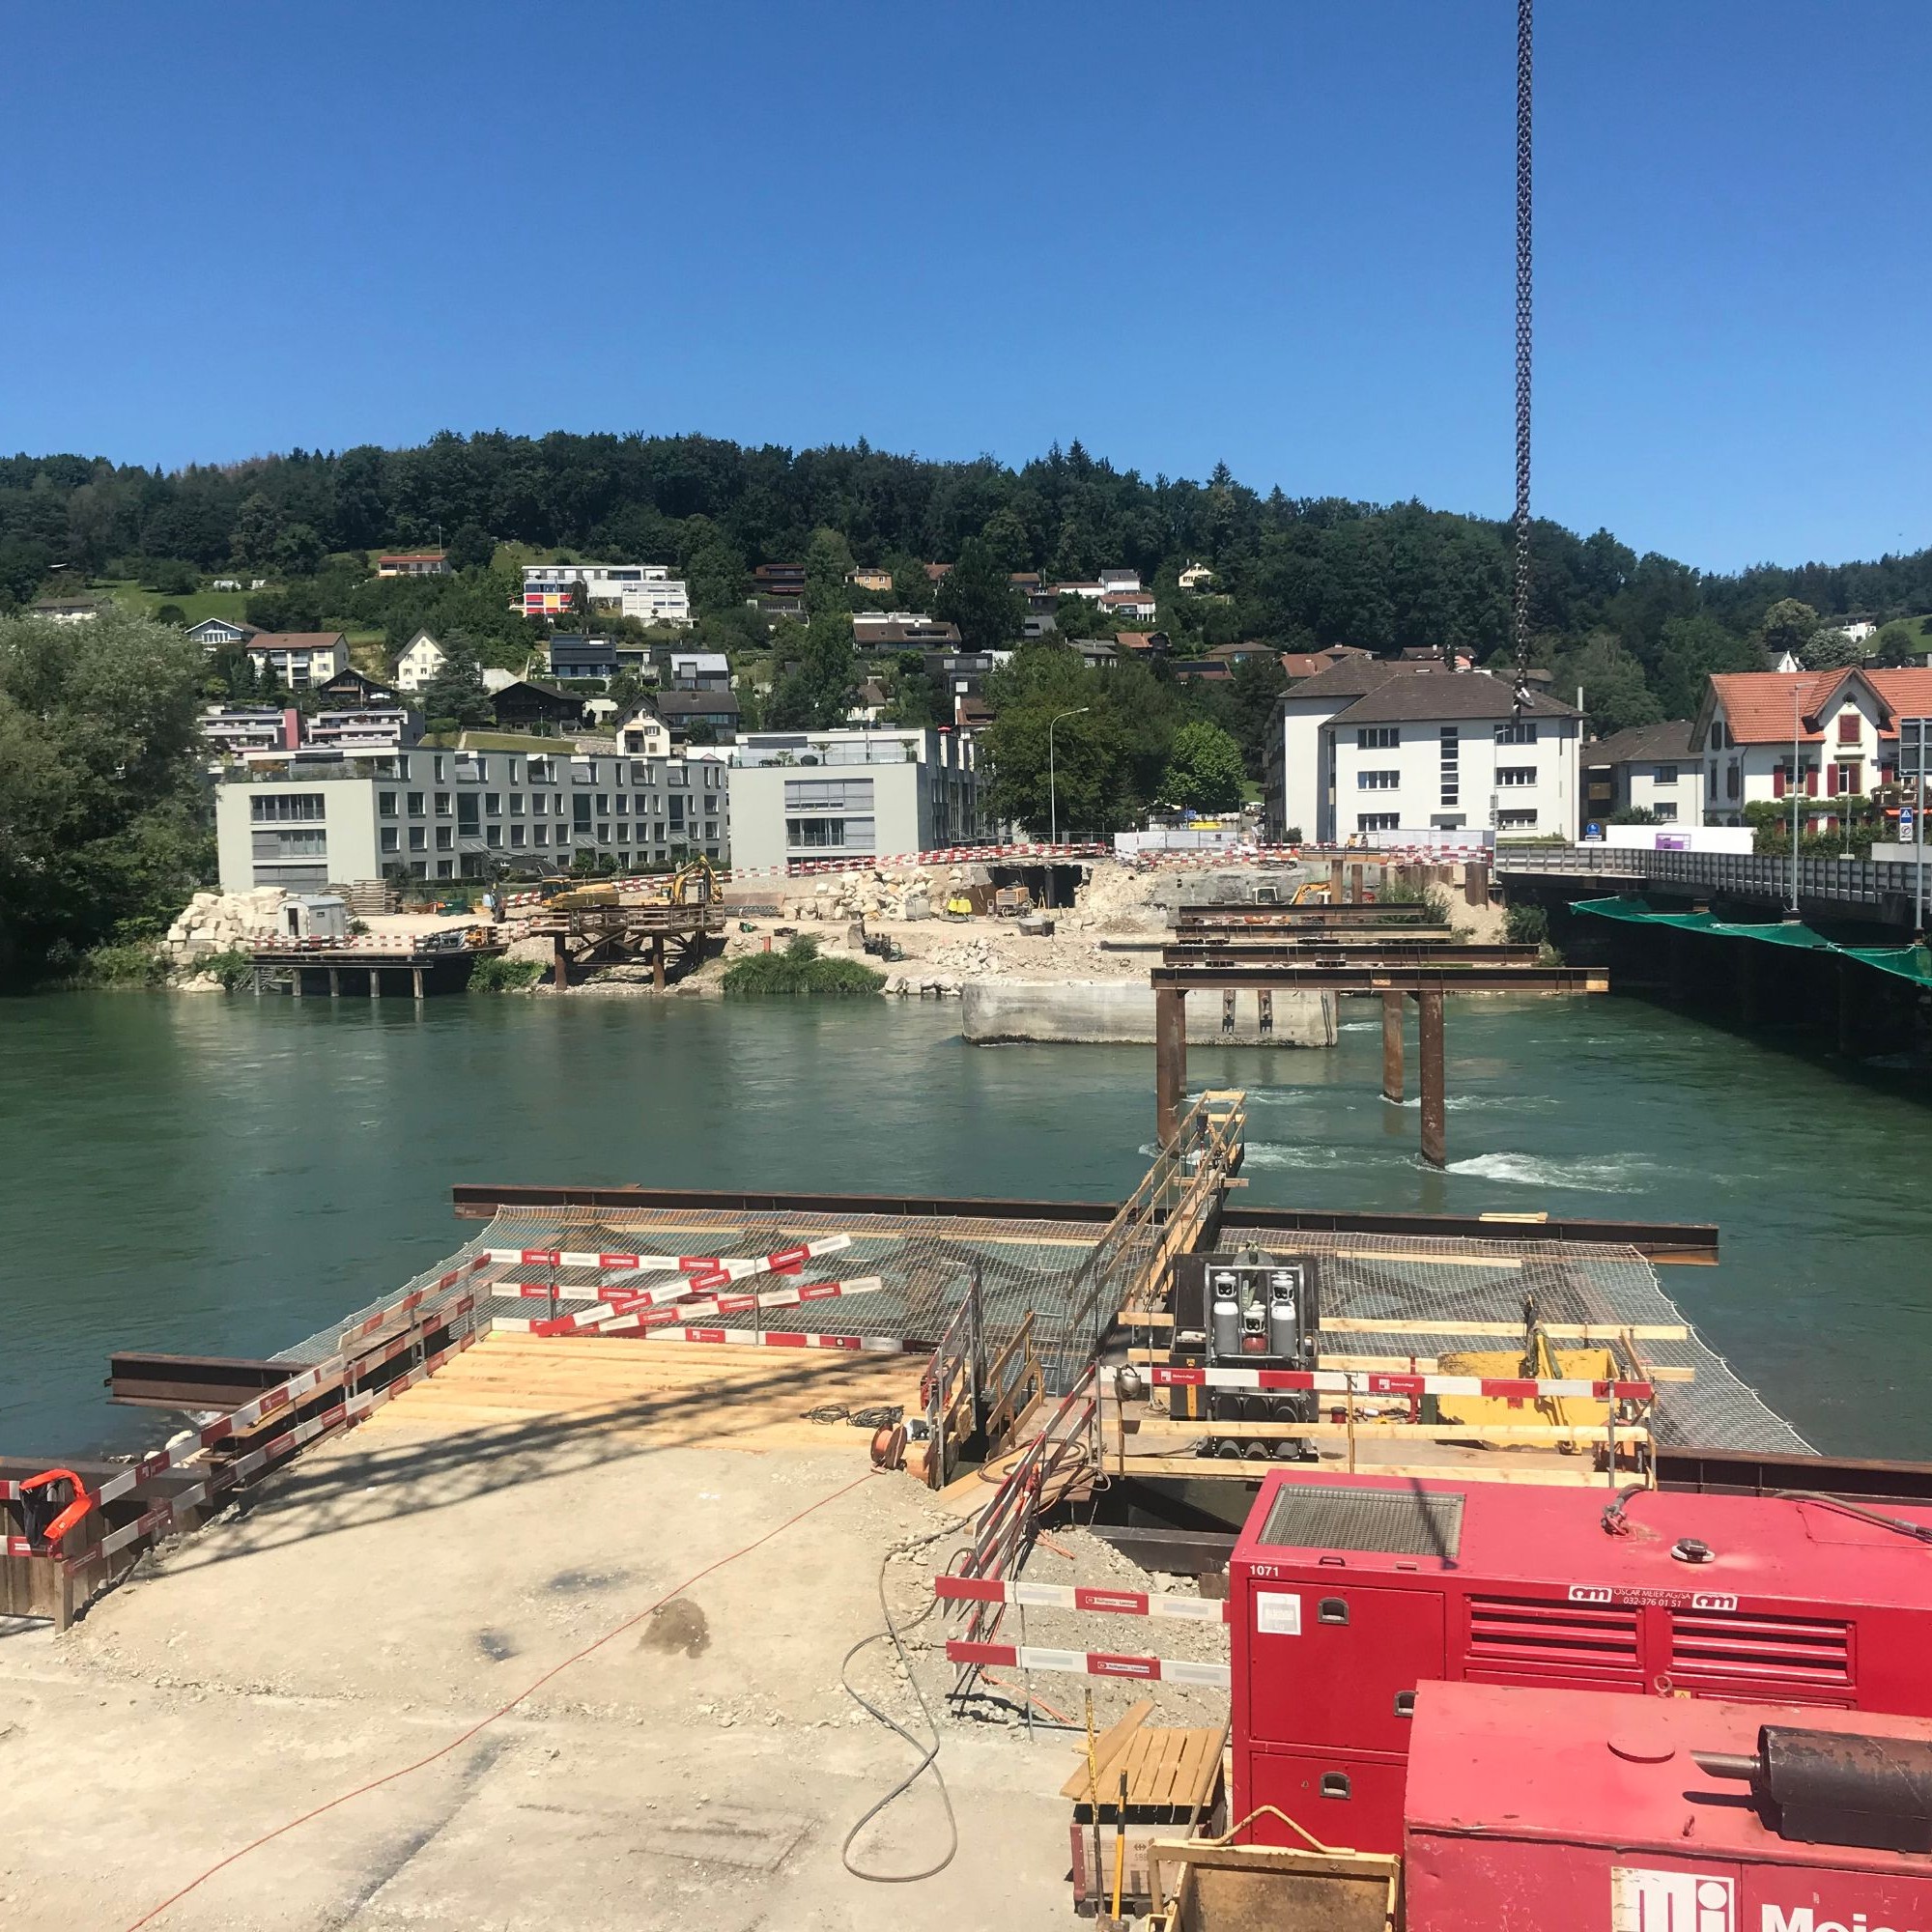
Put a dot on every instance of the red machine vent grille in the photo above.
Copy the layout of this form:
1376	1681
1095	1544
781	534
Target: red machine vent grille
1727	1646
1522	1635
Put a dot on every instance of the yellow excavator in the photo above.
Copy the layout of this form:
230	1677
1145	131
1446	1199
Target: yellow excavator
693	883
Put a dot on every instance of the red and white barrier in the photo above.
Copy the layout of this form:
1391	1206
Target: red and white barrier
284	1395
410	1302
605	1319
766	1338
781	1261
344	1415
1363	1381
1089	1662
1079	1597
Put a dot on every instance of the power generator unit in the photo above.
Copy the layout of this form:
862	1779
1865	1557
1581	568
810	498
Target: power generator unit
1348	1592
1246	1309
1529	1809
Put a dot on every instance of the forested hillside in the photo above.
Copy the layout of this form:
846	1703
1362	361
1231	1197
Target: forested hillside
1638	632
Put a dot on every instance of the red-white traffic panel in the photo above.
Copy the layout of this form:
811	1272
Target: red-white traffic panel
1089	1662
343	1414
613	1320
768	1338
411	1301
732	1267
1079	1597
284	1395
1340	1381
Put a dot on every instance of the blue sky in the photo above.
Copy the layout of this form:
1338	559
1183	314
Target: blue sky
1277	235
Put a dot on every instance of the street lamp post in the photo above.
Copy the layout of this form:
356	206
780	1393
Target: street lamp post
1052	792
1796	791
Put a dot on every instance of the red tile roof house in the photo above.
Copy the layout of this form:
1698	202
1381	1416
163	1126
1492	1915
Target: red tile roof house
1844	724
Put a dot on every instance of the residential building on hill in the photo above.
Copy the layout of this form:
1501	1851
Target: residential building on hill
902	630
413	563
523	704
304	822
216	634
871	577
1829	734
1134	603
422	658
646	591
299	658
1376	746
844	794
1647	768
700	671
574	655
705	711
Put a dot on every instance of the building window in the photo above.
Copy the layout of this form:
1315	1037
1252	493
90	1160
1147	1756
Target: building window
1378	821
1849	723
1515	775
445	869
468	819
623	804
1732	780
1451	757
1844	781
1516	821
494	835
391	842
446	841
580	811
415	803
828	794
516	835
1386	780
493	804
1664	775
603	804
543	835
418	839
282	807
1517	731
1667	811
1377	737
441	800
515	805
807	835
385	806
1718	735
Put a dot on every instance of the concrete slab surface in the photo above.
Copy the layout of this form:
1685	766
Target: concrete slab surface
374	1607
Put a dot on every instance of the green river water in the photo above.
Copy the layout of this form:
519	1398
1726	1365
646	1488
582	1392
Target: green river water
224	1176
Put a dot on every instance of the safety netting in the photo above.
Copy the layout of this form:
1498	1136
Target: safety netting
1906	962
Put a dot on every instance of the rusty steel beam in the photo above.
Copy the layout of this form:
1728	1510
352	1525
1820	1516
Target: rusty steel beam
1373	912
479	1201
1694	1244
190	1381
1346	949
1395	978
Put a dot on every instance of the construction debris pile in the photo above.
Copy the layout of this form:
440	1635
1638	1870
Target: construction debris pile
221	922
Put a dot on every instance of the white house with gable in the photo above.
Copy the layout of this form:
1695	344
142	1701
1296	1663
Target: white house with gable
422	658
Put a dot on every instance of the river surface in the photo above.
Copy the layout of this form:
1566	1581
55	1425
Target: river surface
225	1176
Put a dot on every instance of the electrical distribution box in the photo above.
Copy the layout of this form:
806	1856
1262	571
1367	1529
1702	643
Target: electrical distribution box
1348	1592
1532	1808
1246	1309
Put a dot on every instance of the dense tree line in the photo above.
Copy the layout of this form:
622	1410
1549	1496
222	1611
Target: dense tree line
1638	630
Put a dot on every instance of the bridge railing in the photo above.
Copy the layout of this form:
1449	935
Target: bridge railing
1760	875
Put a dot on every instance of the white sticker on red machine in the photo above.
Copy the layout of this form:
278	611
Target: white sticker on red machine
1643	1899
1278	1612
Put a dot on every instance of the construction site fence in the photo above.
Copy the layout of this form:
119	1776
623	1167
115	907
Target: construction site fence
1067	1446
1762	875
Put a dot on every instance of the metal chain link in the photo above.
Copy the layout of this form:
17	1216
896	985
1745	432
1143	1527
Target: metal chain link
1519	608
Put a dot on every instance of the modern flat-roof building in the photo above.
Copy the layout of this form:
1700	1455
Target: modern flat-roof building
1374	746
310	820
299	658
902	630
413	563
852	794
575	656
646	591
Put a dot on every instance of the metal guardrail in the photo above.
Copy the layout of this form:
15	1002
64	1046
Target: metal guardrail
1761	875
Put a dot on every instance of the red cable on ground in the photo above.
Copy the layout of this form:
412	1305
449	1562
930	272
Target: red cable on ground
529	1690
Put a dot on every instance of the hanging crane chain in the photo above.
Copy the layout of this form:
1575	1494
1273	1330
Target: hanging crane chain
1524	260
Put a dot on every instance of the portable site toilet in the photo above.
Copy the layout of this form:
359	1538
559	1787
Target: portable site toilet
320	916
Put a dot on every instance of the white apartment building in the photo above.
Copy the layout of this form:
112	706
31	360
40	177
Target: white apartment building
1828	733
418	663
1372	747
646	591
851	794
309	820
299	658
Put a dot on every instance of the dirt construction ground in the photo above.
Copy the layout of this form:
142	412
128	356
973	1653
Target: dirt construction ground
380	1601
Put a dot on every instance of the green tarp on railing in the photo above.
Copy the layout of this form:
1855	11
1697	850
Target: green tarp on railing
1906	962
